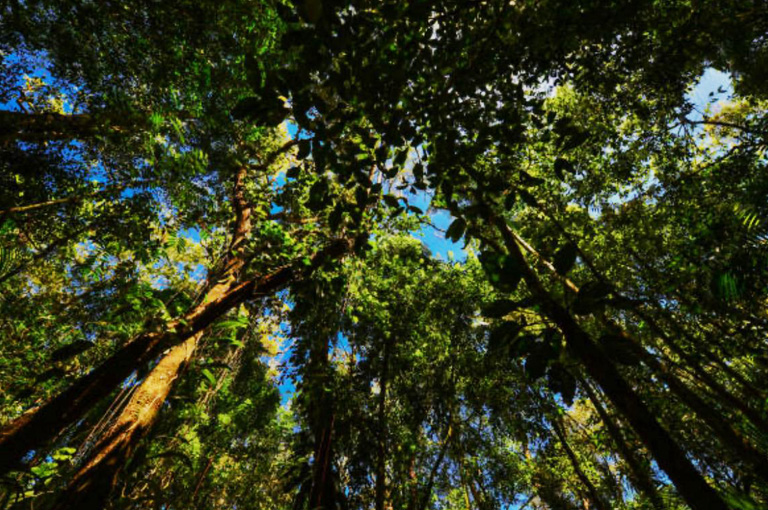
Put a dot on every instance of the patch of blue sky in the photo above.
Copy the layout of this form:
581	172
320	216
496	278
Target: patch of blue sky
713	86
433	234
36	65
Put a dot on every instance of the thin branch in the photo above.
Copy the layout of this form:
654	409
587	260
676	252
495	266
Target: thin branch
74	198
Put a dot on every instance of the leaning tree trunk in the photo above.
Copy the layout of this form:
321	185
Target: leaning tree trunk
37	427
594	495
93	483
669	455
728	435
640	477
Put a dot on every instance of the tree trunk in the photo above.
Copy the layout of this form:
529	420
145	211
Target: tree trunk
640	477
730	437
671	458
702	375
594	496
322	495
93	483
381	460
34	429
116	188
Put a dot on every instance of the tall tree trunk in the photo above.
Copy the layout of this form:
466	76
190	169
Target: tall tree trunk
549	492
594	496
702	375
640	477
729	436
93	483
322	494
670	456
381	460
37	427
413	481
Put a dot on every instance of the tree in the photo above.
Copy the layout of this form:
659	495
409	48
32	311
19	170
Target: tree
176	177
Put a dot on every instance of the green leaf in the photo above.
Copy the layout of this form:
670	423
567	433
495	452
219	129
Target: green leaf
536	363
502	270
503	336
269	111
305	148
391	200
233	324
530	180
499	308
560	380
591	296
361	196
293	172
209	376
401	157
509	200
334	219
527	198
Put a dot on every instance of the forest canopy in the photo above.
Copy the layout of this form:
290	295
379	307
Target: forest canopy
392	254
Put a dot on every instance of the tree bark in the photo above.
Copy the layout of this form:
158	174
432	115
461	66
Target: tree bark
116	188
93	483
729	436
322	495
640	477
381	461
583	478
36	428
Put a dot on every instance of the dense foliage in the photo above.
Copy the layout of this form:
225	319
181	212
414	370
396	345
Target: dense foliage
216	290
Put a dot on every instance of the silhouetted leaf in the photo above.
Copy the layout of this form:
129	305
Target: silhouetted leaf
565	258
456	229
563	165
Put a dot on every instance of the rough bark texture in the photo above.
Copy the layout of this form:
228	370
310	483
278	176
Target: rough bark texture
91	486
33	430
93	483
670	457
